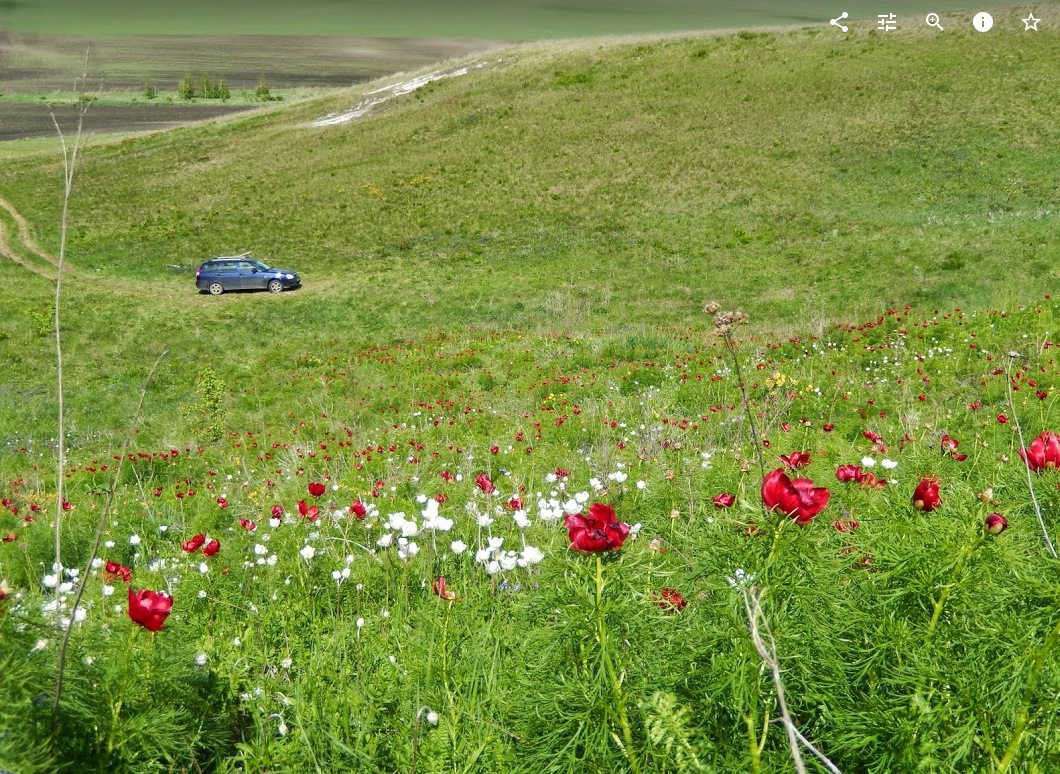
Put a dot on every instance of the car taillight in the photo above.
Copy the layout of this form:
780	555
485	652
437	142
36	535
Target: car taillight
198	272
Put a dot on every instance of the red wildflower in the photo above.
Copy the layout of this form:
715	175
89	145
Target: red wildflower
515	504
1044	452
222	502
485	484
310	512
357	509
149	608
277	511
211	548
447	476
1002	419
113	571
316	488
723	500
597	532
846	473
439	588
845	525
828	428
670	600
494	449
798	499
562	473
995	524
948	444
192	544
926	495
248	525
869	480
796	459
10	537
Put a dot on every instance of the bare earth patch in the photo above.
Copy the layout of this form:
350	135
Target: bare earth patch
379	96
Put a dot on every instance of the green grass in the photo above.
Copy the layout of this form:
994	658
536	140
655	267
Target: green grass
505	274
497	20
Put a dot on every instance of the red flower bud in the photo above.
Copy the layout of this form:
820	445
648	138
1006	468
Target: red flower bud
316	488
192	544
995	524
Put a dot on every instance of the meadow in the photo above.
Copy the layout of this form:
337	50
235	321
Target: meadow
366	525
455	19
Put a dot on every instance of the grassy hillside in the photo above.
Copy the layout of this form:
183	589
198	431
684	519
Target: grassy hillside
335	541
493	20
800	175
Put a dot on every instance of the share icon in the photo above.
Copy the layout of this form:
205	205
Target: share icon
836	21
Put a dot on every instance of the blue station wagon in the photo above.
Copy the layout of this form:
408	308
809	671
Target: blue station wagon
241	272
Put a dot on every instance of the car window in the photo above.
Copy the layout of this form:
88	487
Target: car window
261	266
223	266
246	266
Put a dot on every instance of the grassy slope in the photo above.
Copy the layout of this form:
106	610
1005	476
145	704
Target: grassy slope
800	175
496	20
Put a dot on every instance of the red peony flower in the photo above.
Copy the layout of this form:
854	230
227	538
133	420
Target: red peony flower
113	571
869	481
846	473
723	500
211	548
796	460
149	608
561	473
995	524
310	512
1002	419
439	588
485	484
926	495
828	428
798	499
494	449
248	525
670	600
515	504
1044	452
316	488
222	502
277	511
599	531
192	544
948	444
357	509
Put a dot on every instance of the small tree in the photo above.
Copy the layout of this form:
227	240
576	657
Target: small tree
186	90
262	91
149	91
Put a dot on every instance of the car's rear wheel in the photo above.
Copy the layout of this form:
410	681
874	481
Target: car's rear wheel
275	286
216	288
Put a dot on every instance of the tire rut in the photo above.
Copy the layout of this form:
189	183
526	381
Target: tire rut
25	239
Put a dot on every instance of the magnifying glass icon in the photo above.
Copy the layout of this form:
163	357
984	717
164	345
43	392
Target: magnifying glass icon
933	21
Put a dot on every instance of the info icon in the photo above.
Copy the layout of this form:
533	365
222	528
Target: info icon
983	21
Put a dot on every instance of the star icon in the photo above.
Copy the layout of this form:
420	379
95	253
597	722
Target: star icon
1030	23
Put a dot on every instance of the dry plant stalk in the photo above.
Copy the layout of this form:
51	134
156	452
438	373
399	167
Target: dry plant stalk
759	629
69	167
1026	467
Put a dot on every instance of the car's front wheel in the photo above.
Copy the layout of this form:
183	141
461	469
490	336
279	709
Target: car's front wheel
275	286
216	288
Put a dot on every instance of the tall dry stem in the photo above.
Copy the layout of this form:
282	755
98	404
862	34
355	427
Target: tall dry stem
70	155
